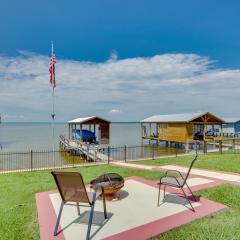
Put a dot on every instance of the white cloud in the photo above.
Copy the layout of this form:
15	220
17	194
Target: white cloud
167	83
114	111
16	117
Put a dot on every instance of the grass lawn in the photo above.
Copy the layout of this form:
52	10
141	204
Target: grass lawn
18	219
221	226
229	162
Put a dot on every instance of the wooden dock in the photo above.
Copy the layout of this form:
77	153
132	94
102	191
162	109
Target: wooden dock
90	151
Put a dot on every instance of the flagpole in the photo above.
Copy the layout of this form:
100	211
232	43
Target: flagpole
53	109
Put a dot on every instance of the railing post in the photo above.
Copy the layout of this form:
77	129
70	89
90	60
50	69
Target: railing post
31	158
125	153
233	145
177	145
108	154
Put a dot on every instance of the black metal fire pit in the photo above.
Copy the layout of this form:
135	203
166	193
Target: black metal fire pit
111	182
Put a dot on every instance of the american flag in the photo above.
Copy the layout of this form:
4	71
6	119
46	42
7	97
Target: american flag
52	70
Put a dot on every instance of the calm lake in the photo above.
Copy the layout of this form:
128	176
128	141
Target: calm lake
38	136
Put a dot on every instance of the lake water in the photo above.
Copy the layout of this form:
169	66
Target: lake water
38	136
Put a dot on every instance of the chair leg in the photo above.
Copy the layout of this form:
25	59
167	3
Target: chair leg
58	219
191	192
104	206
159	189
78	209
188	200
164	191
90	221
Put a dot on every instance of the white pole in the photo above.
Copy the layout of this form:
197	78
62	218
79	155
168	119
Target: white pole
53	109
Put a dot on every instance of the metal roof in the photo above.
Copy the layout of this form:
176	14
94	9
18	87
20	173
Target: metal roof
231	120
86	119
181	117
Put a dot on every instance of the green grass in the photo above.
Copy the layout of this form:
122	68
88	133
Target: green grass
221	226
18	217
229	162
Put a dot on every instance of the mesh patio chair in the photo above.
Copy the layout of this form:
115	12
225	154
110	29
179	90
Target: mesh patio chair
72	189
179	183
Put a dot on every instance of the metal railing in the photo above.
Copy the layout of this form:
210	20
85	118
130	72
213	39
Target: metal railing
41	160
134	153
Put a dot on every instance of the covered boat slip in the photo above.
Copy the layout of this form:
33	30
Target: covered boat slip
184	129
89	130
86	136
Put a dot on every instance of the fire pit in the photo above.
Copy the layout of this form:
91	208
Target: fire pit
111	182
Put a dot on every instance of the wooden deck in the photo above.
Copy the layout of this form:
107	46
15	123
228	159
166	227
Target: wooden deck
92	152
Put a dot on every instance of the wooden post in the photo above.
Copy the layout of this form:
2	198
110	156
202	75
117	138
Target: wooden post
233	145
81	135
204	132
187	146
69	130
157	141
95	155
220	146
221	130
142	133
153	152
204	147
150	133
75	126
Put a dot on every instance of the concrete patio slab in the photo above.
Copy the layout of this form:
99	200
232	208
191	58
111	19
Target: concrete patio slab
205	173
132	215
195	181
221	176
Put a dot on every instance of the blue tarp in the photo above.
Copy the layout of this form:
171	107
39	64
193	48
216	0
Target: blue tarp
87	135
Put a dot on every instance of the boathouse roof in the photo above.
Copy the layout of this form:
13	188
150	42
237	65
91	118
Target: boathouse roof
86	120
231	120
183	117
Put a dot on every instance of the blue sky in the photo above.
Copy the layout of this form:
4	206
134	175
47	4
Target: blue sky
85	35
89	30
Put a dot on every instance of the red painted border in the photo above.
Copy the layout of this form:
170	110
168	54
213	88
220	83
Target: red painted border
162	225
157	227
159	168
47	216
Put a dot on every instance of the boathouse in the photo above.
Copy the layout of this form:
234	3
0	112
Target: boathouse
180	128
231	125
89	129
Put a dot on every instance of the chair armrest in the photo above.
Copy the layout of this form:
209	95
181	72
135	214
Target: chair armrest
174	171
160	182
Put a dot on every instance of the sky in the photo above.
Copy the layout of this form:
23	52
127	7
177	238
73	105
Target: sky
122	60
